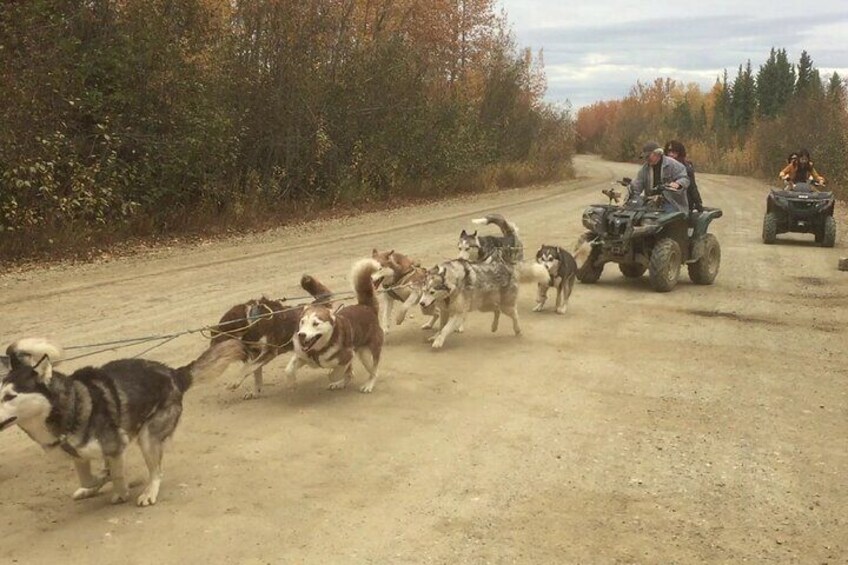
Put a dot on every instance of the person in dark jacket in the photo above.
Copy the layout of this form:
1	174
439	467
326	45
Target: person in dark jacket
677	151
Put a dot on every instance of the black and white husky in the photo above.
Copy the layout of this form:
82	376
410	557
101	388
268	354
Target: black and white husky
95	412
562	272
484	248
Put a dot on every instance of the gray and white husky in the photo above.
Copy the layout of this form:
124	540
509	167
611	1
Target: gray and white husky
562	272
459	286
95	412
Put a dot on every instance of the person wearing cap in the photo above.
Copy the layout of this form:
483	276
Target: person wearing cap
677	151
660	170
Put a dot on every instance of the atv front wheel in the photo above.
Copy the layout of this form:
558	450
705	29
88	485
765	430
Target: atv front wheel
770	228
829	232
705	269
632	270
589	273
664	266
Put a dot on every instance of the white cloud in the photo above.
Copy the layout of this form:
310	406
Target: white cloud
598	50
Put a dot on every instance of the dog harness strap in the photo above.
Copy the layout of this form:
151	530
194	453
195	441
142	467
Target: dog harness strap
401	281
66	447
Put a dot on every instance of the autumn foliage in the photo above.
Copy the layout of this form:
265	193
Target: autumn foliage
124	117
747	125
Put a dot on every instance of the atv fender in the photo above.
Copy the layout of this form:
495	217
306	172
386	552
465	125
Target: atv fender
700	223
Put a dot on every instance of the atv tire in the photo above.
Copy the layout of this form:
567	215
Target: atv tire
770	228
705	269
589	273
829	232
632	270
664	266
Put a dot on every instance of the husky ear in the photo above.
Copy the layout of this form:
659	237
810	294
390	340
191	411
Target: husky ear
374	253
474	234
463	233
44	369
5	363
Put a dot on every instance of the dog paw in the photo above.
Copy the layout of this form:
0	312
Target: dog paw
562	309
250	395
82	493
538	308
460	329
233	385
366	388
427	326
438	343
119	497
337	385
147	498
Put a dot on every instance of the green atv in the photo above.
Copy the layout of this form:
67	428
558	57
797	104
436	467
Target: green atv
640	236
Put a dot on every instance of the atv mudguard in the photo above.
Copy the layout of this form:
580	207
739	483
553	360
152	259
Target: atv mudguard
700	221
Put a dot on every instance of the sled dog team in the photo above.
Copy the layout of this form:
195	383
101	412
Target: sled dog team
94	413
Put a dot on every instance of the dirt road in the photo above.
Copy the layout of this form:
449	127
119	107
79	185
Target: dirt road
705	425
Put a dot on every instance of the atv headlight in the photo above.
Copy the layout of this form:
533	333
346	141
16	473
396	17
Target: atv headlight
592	218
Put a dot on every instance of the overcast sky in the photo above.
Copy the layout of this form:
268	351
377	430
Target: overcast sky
597	49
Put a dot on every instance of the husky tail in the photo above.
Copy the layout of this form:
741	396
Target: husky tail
363	286
29	351
582	250
533	272
508	228
315	288
211	364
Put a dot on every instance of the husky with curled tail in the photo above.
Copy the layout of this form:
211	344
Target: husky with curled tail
96	412
331	339
484	248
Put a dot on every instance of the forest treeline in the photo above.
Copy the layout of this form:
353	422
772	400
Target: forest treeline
131	117
745	125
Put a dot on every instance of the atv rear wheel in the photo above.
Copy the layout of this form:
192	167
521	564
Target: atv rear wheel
705	269
632	270
664	267
588	273
829	232
770	228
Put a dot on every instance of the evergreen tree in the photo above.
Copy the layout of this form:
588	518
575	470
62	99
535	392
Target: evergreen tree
836	91
775	83
806	74
743	100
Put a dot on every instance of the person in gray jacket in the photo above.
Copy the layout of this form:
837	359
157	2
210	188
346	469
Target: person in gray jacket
661	170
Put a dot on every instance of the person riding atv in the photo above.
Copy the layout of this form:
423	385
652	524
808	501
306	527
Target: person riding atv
801	170
659	170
